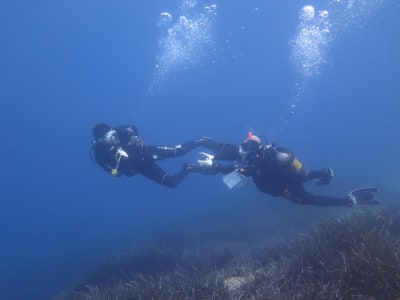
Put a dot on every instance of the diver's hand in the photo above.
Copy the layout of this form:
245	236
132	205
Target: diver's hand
122	153
206	160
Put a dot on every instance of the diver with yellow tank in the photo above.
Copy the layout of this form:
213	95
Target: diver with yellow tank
275	171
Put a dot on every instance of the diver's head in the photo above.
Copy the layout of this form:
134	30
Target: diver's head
250	147
104	134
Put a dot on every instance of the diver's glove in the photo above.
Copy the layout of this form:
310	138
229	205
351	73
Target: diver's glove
121	153
363	196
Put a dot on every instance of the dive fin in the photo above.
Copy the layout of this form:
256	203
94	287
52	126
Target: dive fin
363	196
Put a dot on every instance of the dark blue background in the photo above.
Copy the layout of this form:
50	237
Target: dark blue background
67	65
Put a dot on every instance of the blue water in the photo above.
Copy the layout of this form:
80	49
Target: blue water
224	69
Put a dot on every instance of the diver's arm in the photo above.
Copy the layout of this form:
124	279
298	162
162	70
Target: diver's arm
227	152
110	160
127	134
219	168
247	170
127	129
216	168
161	152
110	170
106	167
207	165
106	160
222	151
152	171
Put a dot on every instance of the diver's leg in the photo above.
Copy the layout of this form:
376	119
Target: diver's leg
222	151
162	152
299	195
155	173
323	175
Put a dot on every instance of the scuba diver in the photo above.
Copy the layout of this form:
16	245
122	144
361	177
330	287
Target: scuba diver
275	171
120	151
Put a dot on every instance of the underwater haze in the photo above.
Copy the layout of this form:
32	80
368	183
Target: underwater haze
319	77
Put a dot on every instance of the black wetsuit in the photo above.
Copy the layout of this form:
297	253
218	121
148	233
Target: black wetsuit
275	171
141	158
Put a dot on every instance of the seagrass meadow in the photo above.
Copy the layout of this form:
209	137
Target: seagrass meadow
354	256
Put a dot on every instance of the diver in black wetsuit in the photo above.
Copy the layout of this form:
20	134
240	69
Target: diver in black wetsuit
120	151
276	171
